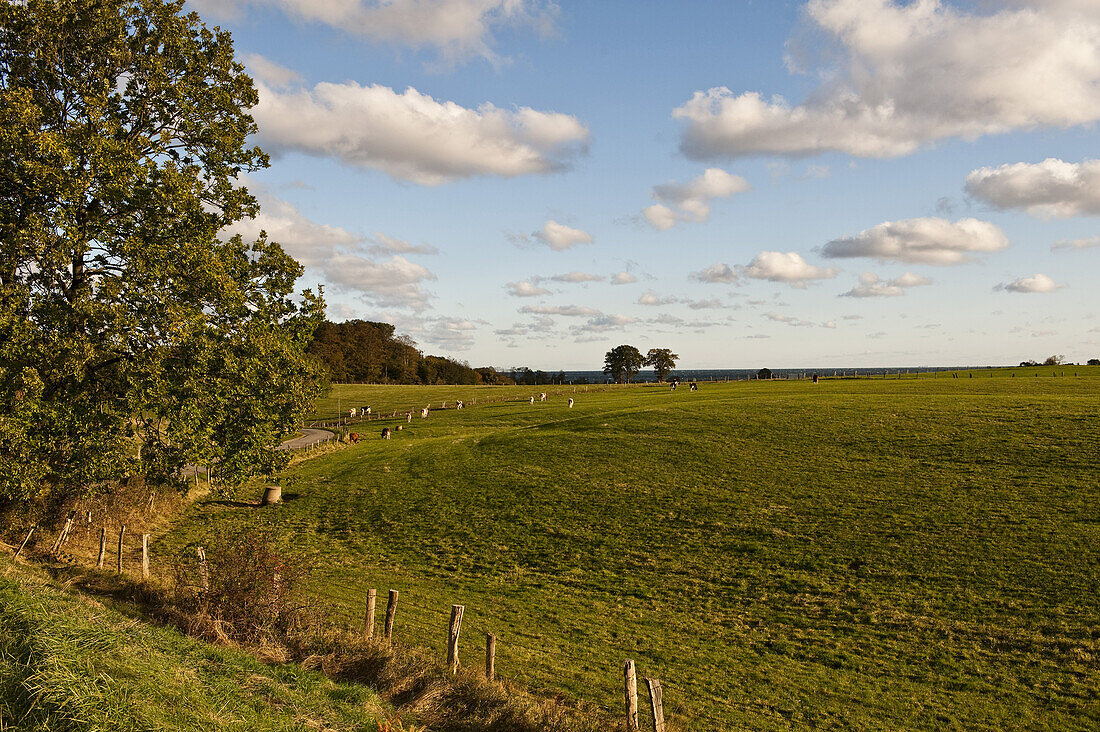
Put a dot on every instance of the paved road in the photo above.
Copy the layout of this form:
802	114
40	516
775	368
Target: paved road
309	437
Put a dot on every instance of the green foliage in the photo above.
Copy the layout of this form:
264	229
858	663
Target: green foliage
770	550
663	360
133	339
622	363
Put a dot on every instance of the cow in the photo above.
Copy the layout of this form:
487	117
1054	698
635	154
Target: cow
570	402
409	417
354	437
424	413
386	433
542	397
532	400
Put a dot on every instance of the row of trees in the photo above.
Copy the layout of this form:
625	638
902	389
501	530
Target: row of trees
623	363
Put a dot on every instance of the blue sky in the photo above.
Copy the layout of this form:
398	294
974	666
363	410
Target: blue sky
832	183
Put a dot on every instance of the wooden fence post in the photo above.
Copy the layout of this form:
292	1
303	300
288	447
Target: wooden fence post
368	620
145	556
657	704
204	569
452	636
121	536
391	612
62	536
25	540
102	548
490	656
630	685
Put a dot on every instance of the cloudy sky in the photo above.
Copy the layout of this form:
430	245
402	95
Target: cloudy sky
747	182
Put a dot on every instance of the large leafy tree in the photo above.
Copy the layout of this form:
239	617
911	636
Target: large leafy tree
663	360
133	338
622	363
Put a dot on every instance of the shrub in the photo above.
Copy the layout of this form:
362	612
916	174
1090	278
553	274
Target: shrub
250	588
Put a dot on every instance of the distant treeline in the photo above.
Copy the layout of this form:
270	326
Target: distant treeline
365	352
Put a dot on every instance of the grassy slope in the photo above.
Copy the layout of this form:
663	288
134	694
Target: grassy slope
67	663
916	552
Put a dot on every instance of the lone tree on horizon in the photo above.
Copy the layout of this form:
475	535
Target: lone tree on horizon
136	338
663	360
622	363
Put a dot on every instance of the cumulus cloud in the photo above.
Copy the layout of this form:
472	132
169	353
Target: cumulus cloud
339	256
525	289
560	237
456	334
788	267
1087	243
572	311
692	200
1038	283
456	28
388	245
411	136
910	73
1050	189
623	278
711	304
605	323
576	276
871	285
719	272
268	72
652	298
921	241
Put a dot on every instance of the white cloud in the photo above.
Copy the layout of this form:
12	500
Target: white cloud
388	245
623	278
1038	283
796	322
605	323
1050	189
719	272
340	256
573	311
410	136
921	241
652	298
559	236
267	71
526	289
455	334
576	276
1087	243
871	285
711	304
787	267
457	28
908	74
692	200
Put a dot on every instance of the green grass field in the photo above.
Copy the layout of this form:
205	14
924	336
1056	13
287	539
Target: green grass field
71	663
867	553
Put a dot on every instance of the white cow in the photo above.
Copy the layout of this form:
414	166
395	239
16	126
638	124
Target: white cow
408	416
570	402
532	400
424	413
542	397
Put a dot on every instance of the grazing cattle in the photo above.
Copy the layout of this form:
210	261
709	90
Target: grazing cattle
532	400
570	403
351	412
354	437
408	417
424	413
542	397
386	433
459	405
366	410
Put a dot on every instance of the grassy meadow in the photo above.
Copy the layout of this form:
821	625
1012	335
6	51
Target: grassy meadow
867	553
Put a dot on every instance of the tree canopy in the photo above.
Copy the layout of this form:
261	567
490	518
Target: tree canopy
622	363
663	360
133	338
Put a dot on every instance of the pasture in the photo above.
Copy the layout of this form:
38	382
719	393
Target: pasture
868	553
